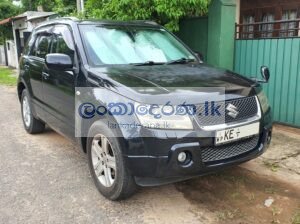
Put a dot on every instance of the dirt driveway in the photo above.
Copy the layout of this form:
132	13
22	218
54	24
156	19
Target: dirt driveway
45	179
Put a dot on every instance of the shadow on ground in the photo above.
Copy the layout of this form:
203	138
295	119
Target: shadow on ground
238	195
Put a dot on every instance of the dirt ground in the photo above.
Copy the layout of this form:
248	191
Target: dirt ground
45	179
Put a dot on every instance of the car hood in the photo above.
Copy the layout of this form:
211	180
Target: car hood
138	82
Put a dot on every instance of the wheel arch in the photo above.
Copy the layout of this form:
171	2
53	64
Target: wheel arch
21	86
103	122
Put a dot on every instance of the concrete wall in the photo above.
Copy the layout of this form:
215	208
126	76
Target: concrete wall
194	33
221	29
22	26
237	11
2	55
11	54
213	36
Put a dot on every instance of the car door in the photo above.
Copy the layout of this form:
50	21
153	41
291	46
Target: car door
59	86
34	65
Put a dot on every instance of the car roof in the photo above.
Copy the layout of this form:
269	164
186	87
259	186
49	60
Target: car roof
73	21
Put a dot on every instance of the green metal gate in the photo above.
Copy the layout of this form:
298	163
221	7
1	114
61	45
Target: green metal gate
282	56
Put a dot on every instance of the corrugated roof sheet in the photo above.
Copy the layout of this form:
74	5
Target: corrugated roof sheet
2	22
30	15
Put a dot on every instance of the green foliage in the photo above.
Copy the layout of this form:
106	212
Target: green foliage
65	7
62	7
7	10
31	5
296	217
7	77
165	12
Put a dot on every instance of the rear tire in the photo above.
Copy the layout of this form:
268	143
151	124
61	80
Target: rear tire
31	124
102	146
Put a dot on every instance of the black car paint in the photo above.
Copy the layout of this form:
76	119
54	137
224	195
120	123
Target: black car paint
151	160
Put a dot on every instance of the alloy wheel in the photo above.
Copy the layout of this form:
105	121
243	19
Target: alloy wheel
103	160
26	111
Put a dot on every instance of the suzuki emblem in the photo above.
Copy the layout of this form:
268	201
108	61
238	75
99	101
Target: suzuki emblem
232	110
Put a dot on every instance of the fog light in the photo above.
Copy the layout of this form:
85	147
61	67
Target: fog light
182	157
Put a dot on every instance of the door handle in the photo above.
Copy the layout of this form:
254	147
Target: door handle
45	75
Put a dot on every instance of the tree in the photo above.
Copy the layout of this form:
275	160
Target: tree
165	12
62	7
31	5
7	10
65	7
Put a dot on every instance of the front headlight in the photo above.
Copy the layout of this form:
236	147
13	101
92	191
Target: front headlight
264	103
162	117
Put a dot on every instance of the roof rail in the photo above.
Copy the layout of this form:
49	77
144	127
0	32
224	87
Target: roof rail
69	18
148	22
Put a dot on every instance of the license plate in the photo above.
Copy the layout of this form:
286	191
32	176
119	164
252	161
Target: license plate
233	134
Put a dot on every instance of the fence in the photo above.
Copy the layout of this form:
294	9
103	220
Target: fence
281	53
268	30
194	32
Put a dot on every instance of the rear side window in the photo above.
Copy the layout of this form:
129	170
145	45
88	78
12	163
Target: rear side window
29	44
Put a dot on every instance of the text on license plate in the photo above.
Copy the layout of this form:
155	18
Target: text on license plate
232	134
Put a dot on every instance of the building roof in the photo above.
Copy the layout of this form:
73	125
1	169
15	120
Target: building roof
2	22
29	15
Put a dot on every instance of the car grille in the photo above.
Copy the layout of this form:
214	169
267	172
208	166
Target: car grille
216	153
247	108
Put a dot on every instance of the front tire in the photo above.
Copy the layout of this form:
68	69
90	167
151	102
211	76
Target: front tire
107	165
31	124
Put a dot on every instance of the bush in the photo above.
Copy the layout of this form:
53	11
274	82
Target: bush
165	12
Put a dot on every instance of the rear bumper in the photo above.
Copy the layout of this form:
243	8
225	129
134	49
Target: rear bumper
157	168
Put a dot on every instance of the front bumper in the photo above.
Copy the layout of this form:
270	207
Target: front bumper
153	161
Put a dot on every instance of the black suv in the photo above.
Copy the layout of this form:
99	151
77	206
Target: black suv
75	75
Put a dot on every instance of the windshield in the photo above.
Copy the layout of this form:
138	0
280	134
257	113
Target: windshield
130	45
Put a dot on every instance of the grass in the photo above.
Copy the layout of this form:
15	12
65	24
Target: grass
275	213
228	214
251	197
296	218
272	166
270	190
6	77
235	195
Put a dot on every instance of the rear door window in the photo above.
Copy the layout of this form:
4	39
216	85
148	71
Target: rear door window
29	44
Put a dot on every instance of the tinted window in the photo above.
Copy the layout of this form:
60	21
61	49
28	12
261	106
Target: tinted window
41	46
29	44
34	43
60	46
62	41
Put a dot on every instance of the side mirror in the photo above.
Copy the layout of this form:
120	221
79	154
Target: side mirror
59	61
199	55
265	73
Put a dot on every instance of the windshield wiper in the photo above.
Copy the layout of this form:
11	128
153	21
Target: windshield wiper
147	63
180	61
